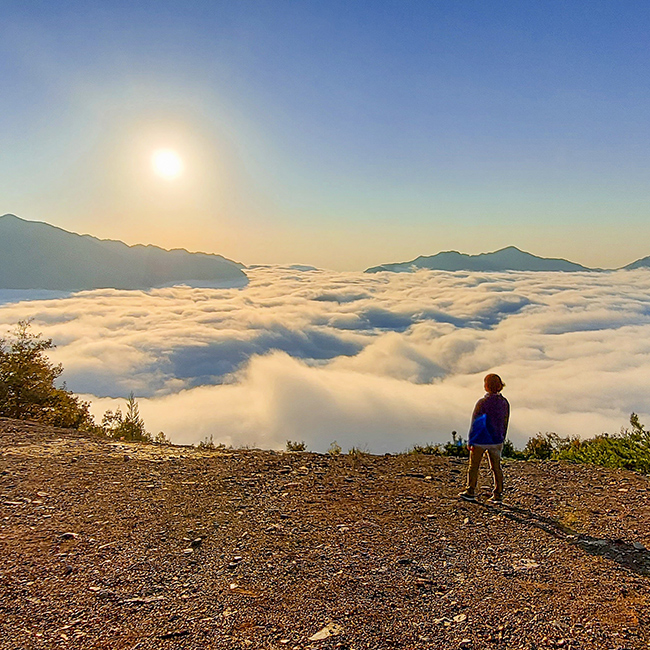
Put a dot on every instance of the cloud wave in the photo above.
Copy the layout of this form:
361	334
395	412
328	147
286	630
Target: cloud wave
383	360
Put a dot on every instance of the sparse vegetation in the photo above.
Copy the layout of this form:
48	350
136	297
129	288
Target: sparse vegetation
296	446
27	383
161	439
207	443
358	452
334	449
457	447
430	449
127	426
630	449
510	451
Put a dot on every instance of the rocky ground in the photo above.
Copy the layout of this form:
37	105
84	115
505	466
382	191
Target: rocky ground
115	545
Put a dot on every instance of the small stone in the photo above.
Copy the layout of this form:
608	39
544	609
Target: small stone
68	535
331	629
127	457
195	543
465	643
188	551
460	618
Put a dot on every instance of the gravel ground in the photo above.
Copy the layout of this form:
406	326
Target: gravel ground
115	545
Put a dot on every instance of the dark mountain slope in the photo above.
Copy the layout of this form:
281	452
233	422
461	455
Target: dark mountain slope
36	255
505	259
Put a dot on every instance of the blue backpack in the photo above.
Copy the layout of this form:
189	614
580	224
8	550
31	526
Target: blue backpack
480	433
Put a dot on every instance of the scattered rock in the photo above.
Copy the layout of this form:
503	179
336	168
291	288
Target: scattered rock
331	629
139	600
67	536
174	634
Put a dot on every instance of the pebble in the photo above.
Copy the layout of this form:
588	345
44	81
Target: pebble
331	629
68	535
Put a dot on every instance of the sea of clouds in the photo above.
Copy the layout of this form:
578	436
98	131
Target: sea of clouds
377	361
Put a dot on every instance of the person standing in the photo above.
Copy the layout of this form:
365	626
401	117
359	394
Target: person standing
487	434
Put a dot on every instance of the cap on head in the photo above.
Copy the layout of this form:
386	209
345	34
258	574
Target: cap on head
493	383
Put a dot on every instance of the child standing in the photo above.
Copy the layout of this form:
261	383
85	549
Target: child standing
487	433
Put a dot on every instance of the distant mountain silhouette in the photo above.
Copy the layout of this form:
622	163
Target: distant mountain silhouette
36	255
639	264
506	259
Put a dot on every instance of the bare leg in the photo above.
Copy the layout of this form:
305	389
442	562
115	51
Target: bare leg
495	464
475	457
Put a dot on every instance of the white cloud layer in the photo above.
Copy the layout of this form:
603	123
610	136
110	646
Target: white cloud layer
376	360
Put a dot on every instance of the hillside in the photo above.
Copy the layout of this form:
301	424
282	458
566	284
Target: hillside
642	263
36	255
125	546
505	259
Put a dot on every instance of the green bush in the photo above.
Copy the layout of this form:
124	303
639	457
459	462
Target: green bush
296	446
510	451
27	383
430	449
457	447
628	450
128	426
542	446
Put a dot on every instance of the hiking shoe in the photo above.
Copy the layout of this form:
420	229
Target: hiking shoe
495	498
467	495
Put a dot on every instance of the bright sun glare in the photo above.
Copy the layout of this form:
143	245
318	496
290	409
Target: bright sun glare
167	163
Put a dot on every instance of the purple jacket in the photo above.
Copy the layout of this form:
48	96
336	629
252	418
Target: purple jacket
496	408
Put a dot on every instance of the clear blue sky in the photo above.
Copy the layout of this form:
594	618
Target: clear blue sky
343	134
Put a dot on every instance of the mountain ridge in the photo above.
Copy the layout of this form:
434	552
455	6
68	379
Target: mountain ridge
509	258
38	255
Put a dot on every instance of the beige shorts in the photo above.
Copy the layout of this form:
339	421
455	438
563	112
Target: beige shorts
488	448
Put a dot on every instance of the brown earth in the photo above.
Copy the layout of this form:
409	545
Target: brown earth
115	545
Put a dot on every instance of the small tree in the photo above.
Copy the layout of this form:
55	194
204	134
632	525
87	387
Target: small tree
129	426
27	388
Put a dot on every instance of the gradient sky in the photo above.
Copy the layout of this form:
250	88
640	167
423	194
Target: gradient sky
340	134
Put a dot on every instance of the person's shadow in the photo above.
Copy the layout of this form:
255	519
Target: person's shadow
633	556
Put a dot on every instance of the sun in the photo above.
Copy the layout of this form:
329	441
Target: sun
167	163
